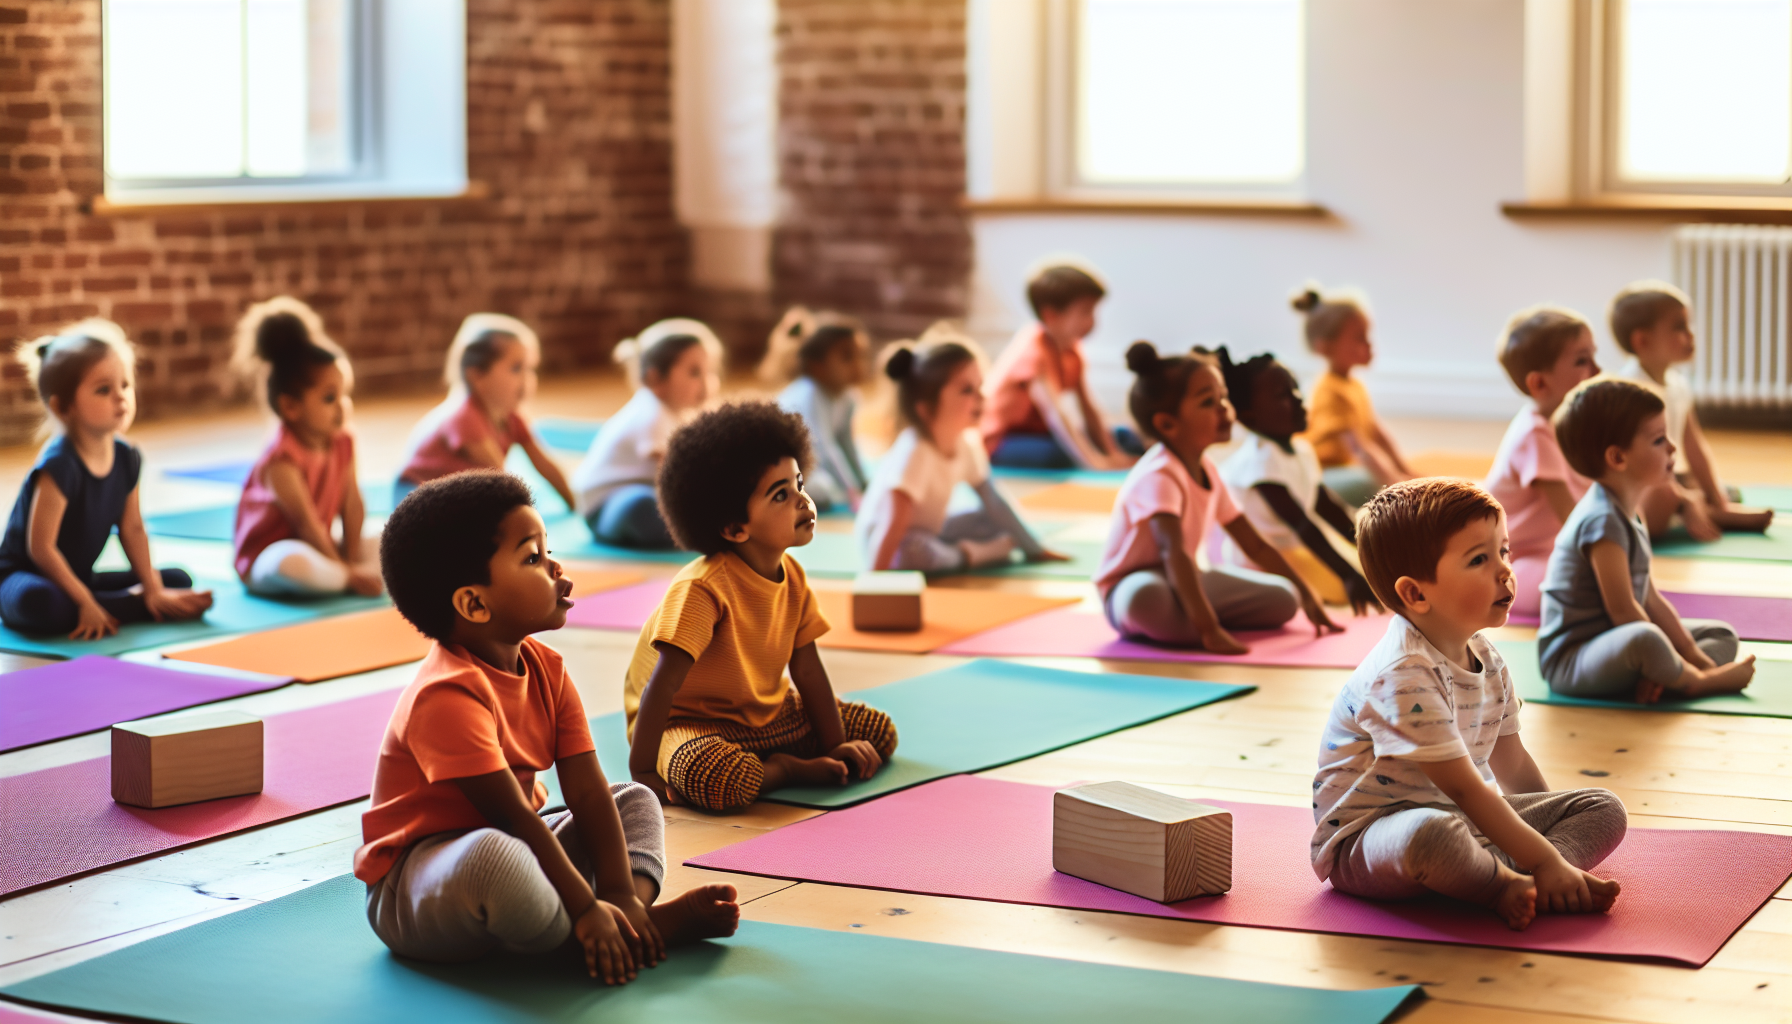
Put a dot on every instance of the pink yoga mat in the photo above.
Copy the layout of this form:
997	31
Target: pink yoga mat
61	821
93	692
1753	618
625	608
1685	893
1070	632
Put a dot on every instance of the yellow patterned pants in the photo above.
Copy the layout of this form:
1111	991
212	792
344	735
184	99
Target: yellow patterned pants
716	765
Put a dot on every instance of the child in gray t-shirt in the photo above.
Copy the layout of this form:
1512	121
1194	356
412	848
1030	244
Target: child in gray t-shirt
1607	632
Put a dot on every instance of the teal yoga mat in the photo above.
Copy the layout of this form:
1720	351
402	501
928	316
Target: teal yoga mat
218	522
975	717
566	435
1777	498
311	957
1769	696
1773	546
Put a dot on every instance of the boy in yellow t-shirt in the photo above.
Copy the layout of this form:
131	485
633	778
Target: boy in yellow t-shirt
1356	452
713	721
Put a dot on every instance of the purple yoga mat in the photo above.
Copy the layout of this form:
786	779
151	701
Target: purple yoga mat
94	692
1685	893
1073	633
1754	618
625	608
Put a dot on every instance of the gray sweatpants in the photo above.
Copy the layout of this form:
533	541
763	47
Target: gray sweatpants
1612	663
922	551
1145	604
1409	852
456	896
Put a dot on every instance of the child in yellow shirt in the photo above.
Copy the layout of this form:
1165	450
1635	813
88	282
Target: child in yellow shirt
1355	451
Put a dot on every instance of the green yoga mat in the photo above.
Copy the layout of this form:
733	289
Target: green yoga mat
1773	546
974	717
1777	498
1769	696
218	522
311	957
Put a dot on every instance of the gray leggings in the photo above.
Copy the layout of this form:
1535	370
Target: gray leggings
1612	663
1144	604
1419	849
456	896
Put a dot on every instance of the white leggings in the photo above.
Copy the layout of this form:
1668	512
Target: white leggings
293	568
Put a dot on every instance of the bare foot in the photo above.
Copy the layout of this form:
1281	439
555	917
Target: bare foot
1605	892
1743	520
1516	903
1731	678
785	770
706	912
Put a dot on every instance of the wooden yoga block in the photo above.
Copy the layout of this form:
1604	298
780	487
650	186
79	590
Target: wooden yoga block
183	760
1141	841
887	601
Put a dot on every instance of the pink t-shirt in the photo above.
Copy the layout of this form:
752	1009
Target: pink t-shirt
1009	407
1528	453
328	476
1160	483
439	443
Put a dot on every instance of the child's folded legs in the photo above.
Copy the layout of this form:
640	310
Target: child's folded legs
1611	664
720	765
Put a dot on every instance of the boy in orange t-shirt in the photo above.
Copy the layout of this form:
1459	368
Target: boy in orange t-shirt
457	859
712	719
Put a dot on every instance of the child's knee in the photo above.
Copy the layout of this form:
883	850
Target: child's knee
1440	839
862	722
715	775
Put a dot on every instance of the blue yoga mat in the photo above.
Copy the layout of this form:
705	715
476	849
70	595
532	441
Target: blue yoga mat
564	434
1777	498
311	957
230	471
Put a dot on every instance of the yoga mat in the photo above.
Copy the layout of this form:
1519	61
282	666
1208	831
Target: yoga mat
229	471
567	435
1768	696
977	716
1773	546
1685	892
1075	633
1776	498
218	522
1753	618
311	957
314	651
92	692
61	822
232	611
1071	496
570	538
1109	477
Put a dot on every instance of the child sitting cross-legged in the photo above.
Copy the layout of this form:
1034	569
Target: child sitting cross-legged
819	359
458	860
1607	632
713	721
1424	785
1355	448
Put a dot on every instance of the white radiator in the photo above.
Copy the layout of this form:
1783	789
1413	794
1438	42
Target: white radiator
1740	279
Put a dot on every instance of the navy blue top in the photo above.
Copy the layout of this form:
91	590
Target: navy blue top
95	504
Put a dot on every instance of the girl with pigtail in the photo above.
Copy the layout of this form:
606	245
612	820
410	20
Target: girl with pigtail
304	482
83	486
820	360
1357	453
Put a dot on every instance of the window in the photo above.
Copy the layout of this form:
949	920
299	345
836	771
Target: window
271	100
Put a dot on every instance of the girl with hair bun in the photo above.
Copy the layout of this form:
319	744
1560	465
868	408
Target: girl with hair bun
1151	586
821	357
305	480
903	523
1357	453
83	485
673	366
490	372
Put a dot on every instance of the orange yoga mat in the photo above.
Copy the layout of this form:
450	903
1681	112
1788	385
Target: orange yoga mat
1073	497
948	614
1463	465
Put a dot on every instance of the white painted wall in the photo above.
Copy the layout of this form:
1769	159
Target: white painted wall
1416	134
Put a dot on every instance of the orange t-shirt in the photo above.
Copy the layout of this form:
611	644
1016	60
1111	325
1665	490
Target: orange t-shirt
459	718
1009	408
1338	404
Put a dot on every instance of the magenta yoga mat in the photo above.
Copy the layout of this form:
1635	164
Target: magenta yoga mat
1073	633
61	822
92	692
625	608
1685	893
1754	618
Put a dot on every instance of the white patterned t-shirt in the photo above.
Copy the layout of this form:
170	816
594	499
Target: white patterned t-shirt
1405	703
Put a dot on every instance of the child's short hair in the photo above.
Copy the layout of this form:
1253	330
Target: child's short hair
1534	339
284	340
1640	306
441	538
1160	382
479	343
1327	314
1056	287
1241	378
713	464
659	347
56	363
921	369
1404	529
1599	414
802	338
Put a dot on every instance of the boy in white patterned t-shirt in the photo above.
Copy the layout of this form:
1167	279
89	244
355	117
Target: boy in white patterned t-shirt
1424	737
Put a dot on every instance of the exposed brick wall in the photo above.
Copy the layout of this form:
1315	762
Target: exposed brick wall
568	124
871	160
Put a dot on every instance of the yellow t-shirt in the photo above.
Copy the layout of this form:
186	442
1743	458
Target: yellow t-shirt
740	628
1338	404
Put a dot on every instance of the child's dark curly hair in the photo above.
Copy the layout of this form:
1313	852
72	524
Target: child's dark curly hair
442	537
1241	378
1161	382
713	464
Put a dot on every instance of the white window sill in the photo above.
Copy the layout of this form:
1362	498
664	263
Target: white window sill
120	201
1214	207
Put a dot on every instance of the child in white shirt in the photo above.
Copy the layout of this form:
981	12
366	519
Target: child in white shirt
820	358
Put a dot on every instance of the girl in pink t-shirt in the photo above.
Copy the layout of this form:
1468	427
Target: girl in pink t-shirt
305	480
1150	585
490	373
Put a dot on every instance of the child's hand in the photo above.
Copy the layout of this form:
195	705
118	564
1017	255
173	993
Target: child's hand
652	947
1322	622
1648	691
1048	555
365	583
610	942
1218	641
860	755
177	604
1563	888
94	622
652	781
1361	596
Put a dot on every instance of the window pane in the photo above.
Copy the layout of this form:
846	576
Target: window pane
174	98
1190	91
1707	90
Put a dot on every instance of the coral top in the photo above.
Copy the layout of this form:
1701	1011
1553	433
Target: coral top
437	445
1528	453
1030	356
328	476
1160	483
1338	404
459	718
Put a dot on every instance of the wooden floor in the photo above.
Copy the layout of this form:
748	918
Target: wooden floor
1672	770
